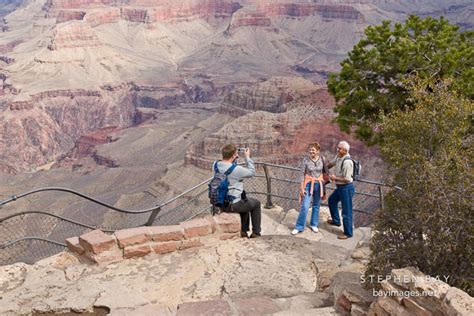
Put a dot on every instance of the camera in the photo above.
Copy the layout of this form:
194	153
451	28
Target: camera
241	150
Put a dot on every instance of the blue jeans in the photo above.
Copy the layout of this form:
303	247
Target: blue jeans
301	221
343	194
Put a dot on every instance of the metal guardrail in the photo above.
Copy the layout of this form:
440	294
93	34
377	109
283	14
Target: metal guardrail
32	235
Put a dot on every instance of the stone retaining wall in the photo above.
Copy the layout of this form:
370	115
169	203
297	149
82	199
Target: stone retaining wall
103	249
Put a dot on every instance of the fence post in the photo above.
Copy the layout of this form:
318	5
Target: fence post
269	203
381	198
153	216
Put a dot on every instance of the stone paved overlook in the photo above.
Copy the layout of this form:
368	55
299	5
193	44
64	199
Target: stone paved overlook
277	274
271	267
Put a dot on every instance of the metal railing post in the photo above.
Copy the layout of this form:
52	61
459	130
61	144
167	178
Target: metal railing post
153	216
381	197
269	203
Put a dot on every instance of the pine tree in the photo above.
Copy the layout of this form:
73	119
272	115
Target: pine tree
371	82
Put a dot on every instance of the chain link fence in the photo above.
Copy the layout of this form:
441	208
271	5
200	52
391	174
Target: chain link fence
31	236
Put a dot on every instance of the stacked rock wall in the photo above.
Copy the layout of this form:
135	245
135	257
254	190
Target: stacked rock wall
103	249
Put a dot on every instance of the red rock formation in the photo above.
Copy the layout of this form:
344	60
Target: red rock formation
278	95
105	16
54	6
256	18
21	105
85	145
134	15
65	93
144	11
73	35
193	9
278	138
307	9
302	113
68	15
40	133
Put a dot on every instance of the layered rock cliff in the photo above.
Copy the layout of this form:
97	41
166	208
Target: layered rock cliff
142	11
334	11
37	131
68	15
72	36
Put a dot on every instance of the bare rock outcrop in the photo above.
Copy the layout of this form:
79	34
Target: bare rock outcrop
237	268
185	10
73	35
243	18
307	9
140	11
85	147
103	16
135	15
55	6
278	95
68	15
276	120
8	47
86	143
277	138
37	131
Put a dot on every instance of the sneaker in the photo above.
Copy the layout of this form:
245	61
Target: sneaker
314	229
343	237
295	231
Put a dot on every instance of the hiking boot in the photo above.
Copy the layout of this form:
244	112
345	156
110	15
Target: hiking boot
314	229
331	222
295	232
243	234
255	235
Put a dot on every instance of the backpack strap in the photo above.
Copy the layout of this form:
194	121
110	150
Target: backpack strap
229	171
344	160
325	165
231	168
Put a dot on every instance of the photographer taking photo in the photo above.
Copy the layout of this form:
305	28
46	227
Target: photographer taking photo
246	206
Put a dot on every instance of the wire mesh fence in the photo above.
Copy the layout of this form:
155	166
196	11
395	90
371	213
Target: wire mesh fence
31	236
28	251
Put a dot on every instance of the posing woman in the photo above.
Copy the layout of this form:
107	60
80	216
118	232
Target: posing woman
312	188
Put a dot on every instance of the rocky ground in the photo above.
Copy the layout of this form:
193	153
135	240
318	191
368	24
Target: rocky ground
276	274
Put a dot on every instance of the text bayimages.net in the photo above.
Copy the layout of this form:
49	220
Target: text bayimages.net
402	279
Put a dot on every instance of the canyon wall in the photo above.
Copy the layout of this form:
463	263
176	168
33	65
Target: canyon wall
38	131
102	11
277	119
